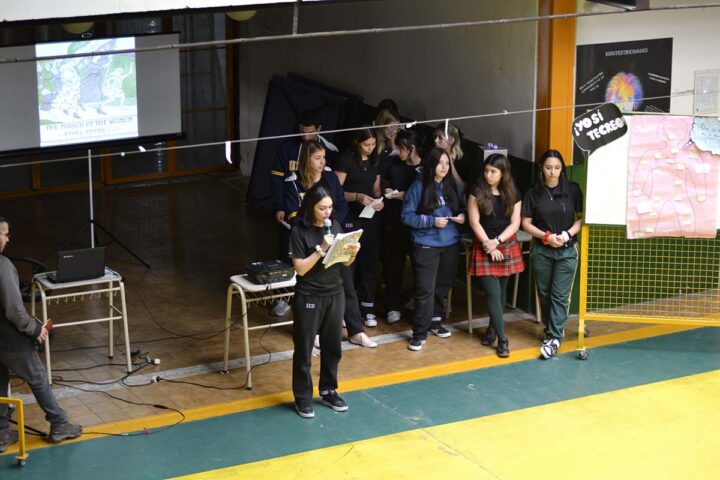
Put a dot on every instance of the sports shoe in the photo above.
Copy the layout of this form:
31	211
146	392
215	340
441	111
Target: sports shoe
549	349
370	320
280	309
503	349
393	316
64	431
363	340
7	438
489	337
332	400
416	344
305	410
437	329
316	342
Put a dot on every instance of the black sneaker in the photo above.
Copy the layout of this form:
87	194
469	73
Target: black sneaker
305	410
64	431
7	438
437	329
503	349
332	400
489	337
416	344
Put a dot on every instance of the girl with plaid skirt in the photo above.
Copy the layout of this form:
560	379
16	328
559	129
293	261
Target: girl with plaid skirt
494	216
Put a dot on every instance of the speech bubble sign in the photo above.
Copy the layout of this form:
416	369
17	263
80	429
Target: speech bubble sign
598	127
705	133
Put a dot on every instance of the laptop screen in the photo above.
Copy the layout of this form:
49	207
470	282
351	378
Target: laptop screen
83	264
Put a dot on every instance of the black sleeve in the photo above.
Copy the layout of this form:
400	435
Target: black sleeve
298	247
527	205
577	193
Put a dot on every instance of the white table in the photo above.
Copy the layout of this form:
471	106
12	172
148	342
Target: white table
107	286
252	293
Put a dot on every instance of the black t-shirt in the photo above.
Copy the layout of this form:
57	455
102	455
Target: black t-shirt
360	178
498	221
551	210
319	280
463	169
398	176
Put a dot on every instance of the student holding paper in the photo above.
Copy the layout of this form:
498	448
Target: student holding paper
319	302
433	208
358	173
311	171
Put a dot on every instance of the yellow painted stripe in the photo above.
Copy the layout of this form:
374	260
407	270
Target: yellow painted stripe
380	380
276	173
662	430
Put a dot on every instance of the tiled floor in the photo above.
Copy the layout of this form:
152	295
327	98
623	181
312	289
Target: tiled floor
195	234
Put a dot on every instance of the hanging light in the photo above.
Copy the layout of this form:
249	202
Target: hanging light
241	15
77	28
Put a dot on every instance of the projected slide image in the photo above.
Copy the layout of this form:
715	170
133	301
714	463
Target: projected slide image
87	99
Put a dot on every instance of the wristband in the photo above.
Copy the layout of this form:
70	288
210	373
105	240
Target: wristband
545	238
320	251
565	236
497	239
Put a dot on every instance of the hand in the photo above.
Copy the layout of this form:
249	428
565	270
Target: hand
460	219
378	206
490	245
279	216
441	222
364	199
327	241
352	248
42	336
497	256
555	241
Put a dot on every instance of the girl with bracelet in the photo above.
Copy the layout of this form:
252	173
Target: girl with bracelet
318	304
433	207
358	173
552	214
494	216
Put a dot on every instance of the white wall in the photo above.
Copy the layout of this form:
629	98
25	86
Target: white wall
431	74
695	33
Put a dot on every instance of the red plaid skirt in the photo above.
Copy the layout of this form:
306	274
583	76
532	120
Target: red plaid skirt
482	266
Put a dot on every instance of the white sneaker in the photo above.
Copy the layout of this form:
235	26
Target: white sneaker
393	316
316	343
344	326
280	309
363	340
370	320
550	349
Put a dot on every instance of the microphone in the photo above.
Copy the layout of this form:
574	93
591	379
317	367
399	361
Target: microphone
328	223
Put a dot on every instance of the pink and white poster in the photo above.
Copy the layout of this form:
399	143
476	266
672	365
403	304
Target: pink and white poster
672	184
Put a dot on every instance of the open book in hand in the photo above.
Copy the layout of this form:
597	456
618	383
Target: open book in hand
337	252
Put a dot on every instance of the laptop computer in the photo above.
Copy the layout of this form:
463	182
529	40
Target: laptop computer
76	265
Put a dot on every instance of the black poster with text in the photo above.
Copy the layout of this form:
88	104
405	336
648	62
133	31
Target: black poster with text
631	75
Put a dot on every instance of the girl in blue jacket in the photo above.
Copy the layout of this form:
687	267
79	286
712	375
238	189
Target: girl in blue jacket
432	209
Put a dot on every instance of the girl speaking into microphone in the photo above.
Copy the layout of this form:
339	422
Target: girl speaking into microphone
319	302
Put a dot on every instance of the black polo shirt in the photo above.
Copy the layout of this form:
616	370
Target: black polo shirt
552	210
319	280
495	223
360	178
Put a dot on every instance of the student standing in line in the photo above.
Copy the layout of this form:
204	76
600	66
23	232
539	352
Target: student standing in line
318	304
387	129
286	165
552	213
403	170
494	216
312	171
449	139
358	173
433	207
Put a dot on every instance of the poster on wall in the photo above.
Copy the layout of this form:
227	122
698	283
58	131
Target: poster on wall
633	75
673	177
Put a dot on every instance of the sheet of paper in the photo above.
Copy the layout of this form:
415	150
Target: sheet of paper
369	211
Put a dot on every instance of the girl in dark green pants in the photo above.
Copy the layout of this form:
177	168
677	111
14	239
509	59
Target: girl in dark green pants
552	214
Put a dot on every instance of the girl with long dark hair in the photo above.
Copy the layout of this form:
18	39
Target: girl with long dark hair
552	214
433	207
319	302
494	216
